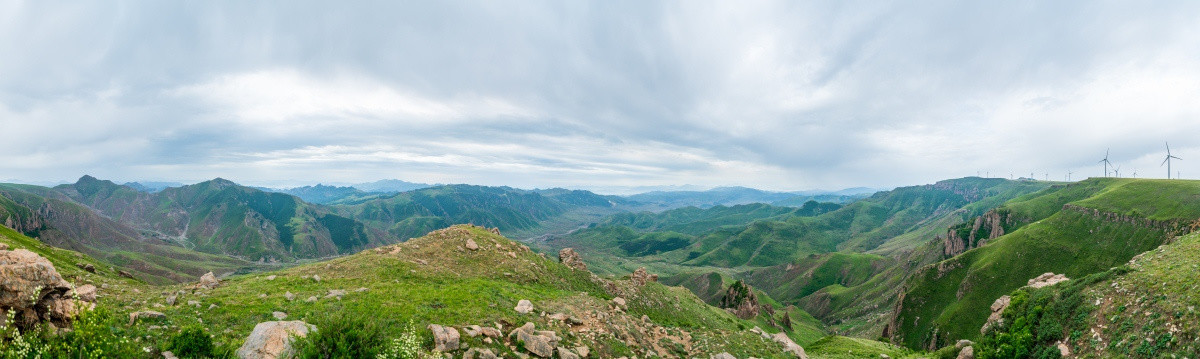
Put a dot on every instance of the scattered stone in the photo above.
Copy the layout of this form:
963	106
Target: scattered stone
124	274
316	278
582	351
289	295
962	343
210	281
573	320
524	306
169	355
1047	279
967	352
472	330
335	293
271	340
271	277
212	306
279	315
444	338
361	289
311	299
171	300
3	246
145	314
884	356
472	245
619	302
479	354
422	261
565	353
88	267
1063	349
262	296
723	355
557	316
568	257
194	303
539	345
512	255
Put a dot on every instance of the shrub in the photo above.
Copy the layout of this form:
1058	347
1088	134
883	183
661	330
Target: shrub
343	335
407	346
192	342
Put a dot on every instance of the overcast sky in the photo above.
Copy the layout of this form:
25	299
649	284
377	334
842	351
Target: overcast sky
599	95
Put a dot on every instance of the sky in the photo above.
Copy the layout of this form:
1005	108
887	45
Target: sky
602	95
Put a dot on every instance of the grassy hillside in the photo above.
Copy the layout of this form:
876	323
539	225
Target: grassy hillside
441	281
1075	229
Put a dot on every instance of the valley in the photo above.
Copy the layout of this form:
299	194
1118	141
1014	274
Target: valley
907	272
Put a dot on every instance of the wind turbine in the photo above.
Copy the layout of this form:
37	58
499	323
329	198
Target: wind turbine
1167	161
1069	176
1106	163
1117	172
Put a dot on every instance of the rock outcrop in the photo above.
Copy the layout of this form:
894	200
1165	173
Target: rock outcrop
271	340
33	290
997	309
740	300
570	258
1047	279
976	233
539	343
640	277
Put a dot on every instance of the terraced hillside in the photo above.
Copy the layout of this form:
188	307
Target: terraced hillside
1076	230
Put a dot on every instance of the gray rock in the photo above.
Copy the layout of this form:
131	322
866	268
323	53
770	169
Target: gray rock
279	315
271	340
570	258
171	299
311	299
789	345
472	330
444	338
289	296
565	353
86	292
335	293
723	355
472	245
967	353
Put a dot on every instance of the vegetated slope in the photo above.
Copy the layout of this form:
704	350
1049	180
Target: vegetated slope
858	227
1076	230
221	217
54	219
439	279
69	264
411	214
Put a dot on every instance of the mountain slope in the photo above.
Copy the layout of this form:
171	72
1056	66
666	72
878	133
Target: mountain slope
1075	229
221	217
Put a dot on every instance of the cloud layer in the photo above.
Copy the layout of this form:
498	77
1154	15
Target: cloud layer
777	95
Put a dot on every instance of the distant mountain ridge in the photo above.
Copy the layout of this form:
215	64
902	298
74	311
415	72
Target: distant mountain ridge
731	196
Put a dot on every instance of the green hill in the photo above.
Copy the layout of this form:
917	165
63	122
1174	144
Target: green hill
1076	230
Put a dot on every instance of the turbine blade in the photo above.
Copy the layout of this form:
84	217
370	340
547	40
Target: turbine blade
1164	162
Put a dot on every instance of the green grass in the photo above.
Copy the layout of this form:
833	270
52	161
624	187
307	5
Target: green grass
839	347
953	301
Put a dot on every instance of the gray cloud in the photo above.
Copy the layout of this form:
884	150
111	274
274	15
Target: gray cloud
777	95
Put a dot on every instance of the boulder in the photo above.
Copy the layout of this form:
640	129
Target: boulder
723	355
270	340
967	352
619	302
472	330
210	281
33	290
789	345
444	338
472	245
479	354
568	257
88	267
539	345
490	332
524	306
582	350
171	299
289	296
640	277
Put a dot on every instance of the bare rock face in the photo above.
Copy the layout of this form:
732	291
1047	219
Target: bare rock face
444	338
568	257
997	308
210	281
33	290
271	340
1047	279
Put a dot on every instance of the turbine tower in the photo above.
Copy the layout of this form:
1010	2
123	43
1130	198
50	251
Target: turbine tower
1167	161
1117	172
1106	163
